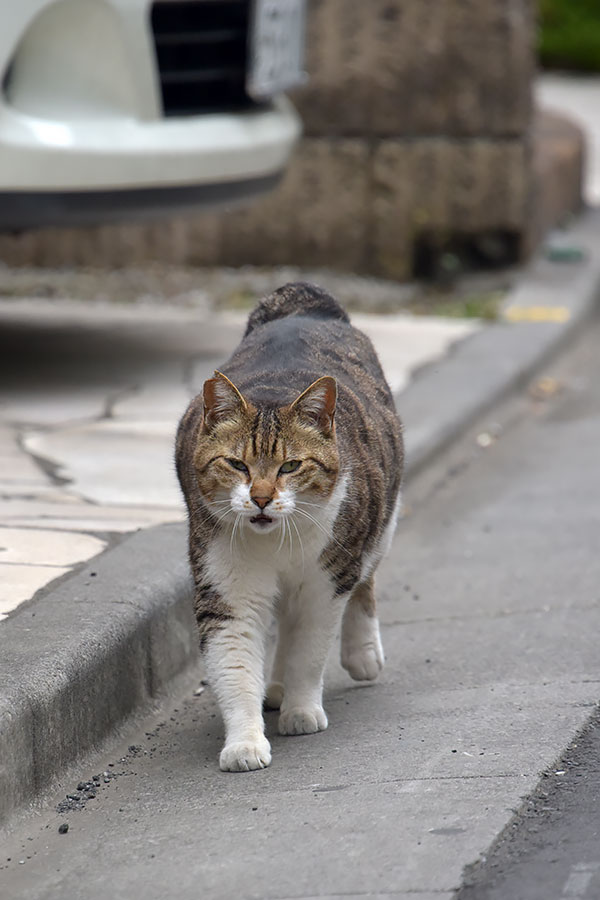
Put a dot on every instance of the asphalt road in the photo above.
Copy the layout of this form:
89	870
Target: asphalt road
551	851
490	607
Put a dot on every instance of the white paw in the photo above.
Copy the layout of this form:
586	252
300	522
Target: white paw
302	720
244	756
364	663
274	695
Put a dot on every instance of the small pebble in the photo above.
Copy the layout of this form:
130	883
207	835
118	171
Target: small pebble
62	829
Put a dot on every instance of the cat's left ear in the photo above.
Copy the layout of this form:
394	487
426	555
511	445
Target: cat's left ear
222	401
316	405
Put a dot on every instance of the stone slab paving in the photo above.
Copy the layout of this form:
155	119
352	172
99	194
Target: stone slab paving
90	397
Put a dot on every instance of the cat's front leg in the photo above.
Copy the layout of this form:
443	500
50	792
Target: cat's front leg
233	644
311	628
234	664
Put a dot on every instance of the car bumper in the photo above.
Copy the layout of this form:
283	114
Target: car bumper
120	153
67	174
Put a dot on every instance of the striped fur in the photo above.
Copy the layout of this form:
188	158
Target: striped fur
290	462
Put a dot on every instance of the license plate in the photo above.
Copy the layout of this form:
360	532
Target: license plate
276	47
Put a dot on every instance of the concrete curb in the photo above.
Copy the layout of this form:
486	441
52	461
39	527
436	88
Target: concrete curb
105	645
81	658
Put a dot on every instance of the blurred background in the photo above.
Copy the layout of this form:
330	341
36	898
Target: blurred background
428	149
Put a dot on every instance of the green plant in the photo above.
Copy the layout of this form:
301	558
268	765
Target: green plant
479	305
570	34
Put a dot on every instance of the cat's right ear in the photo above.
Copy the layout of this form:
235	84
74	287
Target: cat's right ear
222	401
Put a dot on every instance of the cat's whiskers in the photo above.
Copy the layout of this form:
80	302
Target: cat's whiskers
308	503
323	529
299	539
288	535
220	518
219	504
221	513
282	528
234	532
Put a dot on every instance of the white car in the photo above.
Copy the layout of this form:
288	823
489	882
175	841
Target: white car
112	107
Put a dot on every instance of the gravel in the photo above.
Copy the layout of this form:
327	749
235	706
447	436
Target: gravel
205	289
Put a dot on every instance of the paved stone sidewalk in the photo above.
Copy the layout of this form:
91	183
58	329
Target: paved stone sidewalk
90	396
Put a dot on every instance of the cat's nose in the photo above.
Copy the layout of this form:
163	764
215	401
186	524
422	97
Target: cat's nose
261	502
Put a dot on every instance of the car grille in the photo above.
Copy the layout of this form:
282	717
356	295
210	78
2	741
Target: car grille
201	49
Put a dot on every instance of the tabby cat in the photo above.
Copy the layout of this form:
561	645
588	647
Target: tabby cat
290	461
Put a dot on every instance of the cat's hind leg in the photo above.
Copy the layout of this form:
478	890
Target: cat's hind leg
274	692
362	651
310	628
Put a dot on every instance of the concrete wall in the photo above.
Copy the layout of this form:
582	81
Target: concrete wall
417	126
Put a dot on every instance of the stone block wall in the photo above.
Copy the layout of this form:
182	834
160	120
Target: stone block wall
417	119
418	68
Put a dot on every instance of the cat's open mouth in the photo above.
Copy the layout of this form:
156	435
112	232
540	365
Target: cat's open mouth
261	520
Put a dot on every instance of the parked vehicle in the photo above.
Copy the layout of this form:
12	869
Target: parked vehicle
110	108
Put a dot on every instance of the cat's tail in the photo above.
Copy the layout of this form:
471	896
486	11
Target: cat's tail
299	298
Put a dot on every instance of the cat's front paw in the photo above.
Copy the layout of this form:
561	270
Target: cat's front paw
244	756
302	720
363	663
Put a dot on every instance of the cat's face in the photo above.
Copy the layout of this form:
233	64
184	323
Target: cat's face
257	468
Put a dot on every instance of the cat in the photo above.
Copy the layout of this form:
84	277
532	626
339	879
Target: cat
290	461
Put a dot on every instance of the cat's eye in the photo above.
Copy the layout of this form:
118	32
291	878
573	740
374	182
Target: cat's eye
290	466
238	465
